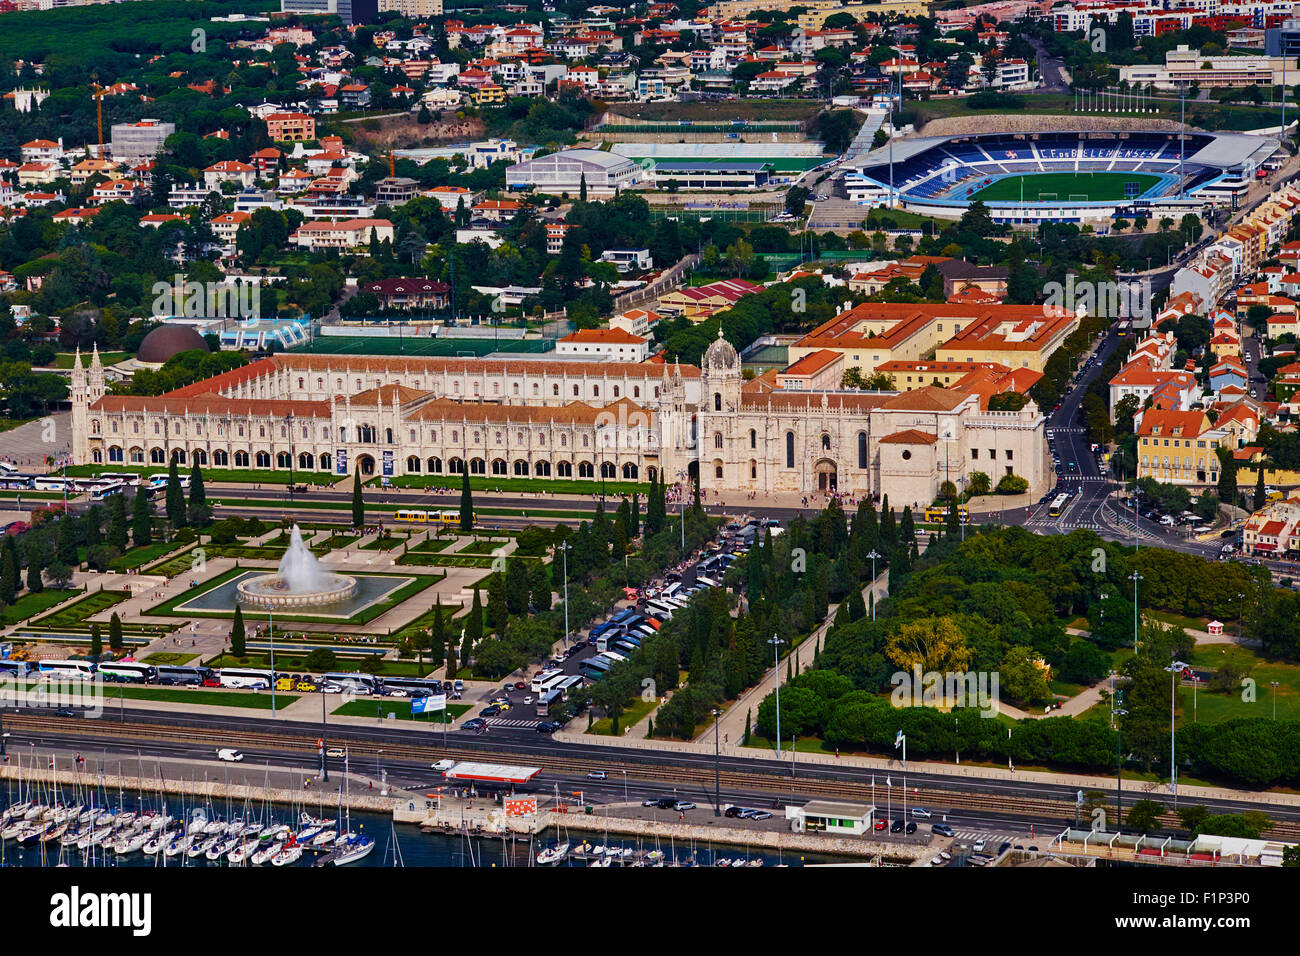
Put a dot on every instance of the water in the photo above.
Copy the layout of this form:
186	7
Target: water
417	849
370	588
300	569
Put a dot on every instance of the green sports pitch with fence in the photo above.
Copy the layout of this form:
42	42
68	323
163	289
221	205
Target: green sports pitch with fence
420	345
1066	187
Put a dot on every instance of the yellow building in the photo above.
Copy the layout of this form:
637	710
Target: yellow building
819	10
1177	447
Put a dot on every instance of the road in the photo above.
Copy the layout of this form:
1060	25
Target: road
985	801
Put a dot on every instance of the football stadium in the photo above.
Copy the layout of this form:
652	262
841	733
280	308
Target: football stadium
1061	176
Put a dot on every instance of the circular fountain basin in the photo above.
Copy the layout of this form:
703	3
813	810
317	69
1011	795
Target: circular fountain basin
272	591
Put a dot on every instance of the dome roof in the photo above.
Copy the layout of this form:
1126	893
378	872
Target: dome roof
167	340
721	355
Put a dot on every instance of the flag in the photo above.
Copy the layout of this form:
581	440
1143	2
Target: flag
898	740
888	782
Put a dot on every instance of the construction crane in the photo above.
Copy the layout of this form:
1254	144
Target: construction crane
99	116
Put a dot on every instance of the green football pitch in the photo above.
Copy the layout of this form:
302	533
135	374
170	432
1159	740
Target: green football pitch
1044	187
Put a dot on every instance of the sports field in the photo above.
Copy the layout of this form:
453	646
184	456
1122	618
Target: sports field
1039	187
421	345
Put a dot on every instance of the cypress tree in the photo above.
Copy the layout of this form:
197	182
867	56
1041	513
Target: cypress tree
66	542
748	717
96	642
1259	485
175	497
636	514
117	536
497	612
516	589
466	504
34	583
115	643
92	526
237	634
358	503
438	636
473	629
142	519
199	514
9	581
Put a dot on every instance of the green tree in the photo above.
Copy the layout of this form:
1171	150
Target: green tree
142	519
516	586
466	504
358	503
497	612
96	642
34	583
115	633
237	633
1144	816
473	632
66	542
438	636
199	514
175	497
9	581
117	533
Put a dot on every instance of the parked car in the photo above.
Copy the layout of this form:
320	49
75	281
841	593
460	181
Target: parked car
896	826
911	827
921	813
597	775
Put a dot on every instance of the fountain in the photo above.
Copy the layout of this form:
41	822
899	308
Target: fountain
300	581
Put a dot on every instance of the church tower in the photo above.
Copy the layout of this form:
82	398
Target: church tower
719	449
80	413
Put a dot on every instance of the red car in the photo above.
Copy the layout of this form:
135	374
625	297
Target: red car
881	825
211	682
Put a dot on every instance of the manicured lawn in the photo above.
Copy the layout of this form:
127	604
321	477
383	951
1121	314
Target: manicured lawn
75	614
161	658
558	486
241	476
138	557
482	547
364	663
1179	620
202	698
386	543
1212	707
632	714
396	705
29	605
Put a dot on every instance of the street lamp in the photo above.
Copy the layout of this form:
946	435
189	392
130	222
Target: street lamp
718	792
873	555
1174	669
1273	684
565	548
1120	713
1136	577
776	643
1241	613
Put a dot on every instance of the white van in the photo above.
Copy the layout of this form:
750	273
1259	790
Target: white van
230	756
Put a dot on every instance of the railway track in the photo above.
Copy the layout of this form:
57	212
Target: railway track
698	779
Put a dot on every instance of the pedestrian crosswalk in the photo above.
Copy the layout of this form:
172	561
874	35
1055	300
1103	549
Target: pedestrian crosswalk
1057	523
511	722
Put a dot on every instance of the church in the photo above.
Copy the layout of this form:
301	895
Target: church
562	420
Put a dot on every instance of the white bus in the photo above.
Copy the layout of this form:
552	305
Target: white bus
358	683
162	480
53	483
100	492
128	672
67	669
14	669
245	677
546	682
128	478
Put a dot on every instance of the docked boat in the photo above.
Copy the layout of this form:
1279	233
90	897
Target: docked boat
264	853
357	848
287	856
131	842
553	855
324	839
201	847
179	845
94	837
220	849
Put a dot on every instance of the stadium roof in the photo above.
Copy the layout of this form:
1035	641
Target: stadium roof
711	166
1223	151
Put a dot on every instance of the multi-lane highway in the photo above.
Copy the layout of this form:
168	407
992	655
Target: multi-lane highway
988	801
